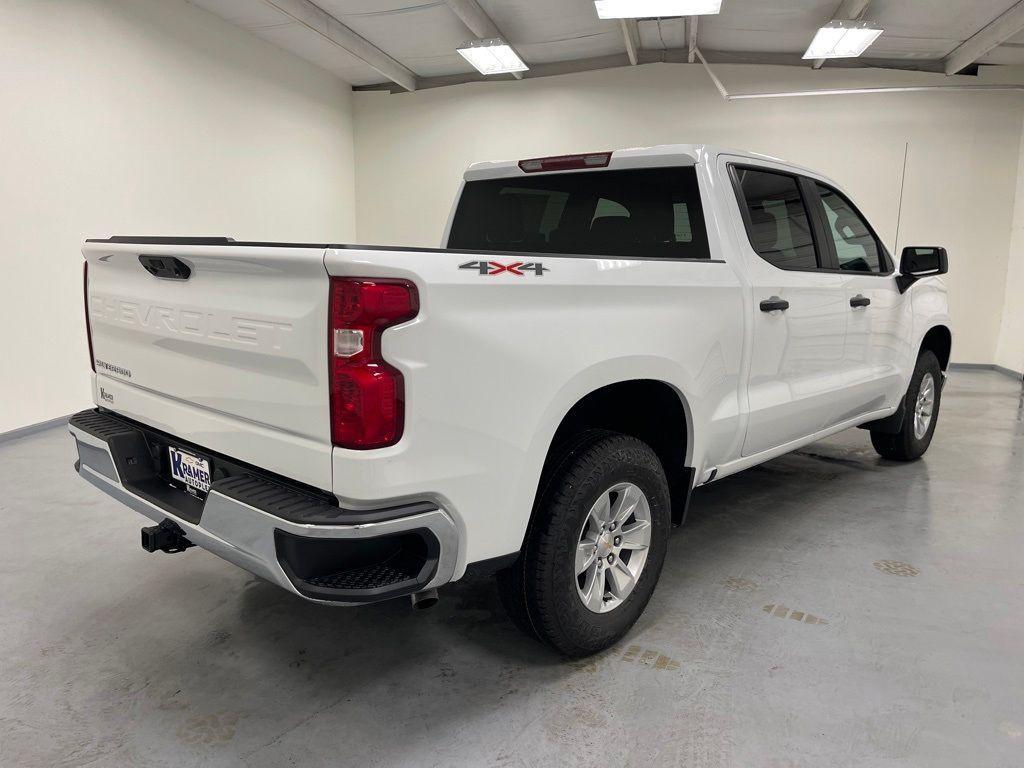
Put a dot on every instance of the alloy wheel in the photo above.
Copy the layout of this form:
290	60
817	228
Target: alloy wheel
611	550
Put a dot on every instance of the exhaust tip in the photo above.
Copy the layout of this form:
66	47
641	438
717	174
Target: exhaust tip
426	599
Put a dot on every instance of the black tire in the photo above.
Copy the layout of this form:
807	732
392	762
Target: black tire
905	445
539	589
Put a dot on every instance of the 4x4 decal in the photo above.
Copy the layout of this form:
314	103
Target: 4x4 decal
515	268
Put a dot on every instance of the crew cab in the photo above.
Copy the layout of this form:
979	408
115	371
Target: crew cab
599	335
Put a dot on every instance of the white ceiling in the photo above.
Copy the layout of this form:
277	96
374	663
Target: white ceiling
422	35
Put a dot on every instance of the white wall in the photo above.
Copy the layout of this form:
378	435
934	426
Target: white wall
144	117
961	174
1010	349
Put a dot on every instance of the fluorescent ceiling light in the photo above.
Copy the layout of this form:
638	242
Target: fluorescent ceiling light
842	40
645	9
492	57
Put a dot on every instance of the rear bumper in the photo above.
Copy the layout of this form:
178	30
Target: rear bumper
288	535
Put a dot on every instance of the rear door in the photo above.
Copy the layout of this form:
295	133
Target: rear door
797	380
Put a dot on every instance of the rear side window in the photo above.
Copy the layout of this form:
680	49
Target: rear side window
642	213
777	222
856	247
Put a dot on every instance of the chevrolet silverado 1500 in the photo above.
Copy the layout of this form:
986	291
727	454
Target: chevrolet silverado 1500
599	335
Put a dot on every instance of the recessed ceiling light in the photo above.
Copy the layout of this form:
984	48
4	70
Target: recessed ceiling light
492	57
842	40
644	9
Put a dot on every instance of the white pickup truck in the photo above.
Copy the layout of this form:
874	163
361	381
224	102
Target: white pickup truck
601	334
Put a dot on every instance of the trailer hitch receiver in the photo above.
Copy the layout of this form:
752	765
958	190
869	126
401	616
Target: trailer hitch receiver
165	537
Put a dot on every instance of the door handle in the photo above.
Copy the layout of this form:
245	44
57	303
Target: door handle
860	301
773	304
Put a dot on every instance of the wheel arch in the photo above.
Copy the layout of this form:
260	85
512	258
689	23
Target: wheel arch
939	340
649	409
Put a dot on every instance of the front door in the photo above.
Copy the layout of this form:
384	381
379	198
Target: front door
879	316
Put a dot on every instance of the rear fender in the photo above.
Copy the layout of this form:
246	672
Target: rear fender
605	373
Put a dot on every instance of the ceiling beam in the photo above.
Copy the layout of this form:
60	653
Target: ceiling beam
318	20
669	56
988	37
847	10
631	33
479	23
540	70
691	38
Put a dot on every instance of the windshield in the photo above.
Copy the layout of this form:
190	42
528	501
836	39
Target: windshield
641	213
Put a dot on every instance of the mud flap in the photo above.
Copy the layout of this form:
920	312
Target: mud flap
890	425
681	491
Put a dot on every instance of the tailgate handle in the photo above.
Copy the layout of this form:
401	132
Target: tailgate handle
774	304
167	267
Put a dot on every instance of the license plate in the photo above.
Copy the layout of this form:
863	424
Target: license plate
191	470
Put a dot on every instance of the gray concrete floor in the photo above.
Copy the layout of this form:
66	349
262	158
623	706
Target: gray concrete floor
825	609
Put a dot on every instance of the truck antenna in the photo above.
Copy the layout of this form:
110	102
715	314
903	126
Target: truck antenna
899	210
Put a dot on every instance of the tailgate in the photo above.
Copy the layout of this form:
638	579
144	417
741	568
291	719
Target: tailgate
223	344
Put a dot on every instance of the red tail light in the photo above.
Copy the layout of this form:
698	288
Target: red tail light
566	162
88	325
367	394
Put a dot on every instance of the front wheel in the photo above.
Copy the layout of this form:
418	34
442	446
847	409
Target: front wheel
920	413
595	547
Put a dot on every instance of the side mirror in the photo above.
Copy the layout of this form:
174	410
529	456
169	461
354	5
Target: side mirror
917	262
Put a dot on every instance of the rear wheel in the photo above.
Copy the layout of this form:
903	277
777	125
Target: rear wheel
595	548
920	413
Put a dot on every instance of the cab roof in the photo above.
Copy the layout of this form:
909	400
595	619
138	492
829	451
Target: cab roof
619	159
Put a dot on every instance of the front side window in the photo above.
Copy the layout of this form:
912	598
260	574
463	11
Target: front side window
640	213
856	247
777	221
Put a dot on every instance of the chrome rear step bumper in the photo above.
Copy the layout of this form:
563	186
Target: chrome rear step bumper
300	542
